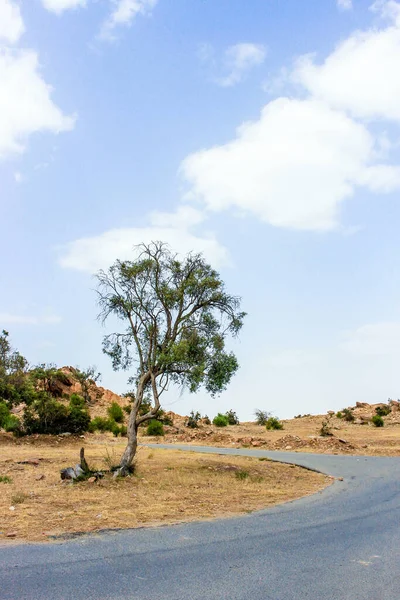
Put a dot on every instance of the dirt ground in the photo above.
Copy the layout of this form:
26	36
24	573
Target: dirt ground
167	487
301	435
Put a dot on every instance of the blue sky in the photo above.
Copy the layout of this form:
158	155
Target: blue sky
265	134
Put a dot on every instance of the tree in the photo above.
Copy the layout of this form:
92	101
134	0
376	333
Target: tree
87	379
177	316
13	369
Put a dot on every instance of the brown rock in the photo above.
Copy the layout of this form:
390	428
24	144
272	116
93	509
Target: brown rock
11	534
29	461
362	404
40	477
256	444
92	479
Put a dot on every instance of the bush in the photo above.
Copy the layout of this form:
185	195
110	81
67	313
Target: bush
220	420
262	416
348	415
5	479
377	421
115	412
325	430
273	423
46	415
13	425
101	424
155	428
4	413
232	417
193	420
339	415
383	411
241	475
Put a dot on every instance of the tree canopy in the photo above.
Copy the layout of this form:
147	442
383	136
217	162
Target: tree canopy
177	316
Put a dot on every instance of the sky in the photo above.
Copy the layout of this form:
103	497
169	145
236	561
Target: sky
264	134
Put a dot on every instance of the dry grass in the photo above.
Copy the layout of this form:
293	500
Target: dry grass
168	487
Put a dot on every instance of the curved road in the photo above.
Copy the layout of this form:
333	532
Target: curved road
341	544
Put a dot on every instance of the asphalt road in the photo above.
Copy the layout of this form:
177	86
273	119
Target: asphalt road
341	544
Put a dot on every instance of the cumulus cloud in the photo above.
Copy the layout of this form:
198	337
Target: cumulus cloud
345	4
124	13
291	168
93	253
59	6
14	319
377	339
239	59
11	23
25	101
362	74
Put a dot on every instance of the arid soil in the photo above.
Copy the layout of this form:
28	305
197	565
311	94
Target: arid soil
167	487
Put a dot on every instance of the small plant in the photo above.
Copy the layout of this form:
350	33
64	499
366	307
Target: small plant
127	409
377	421
241	475
110	460
115	412
206	420
262	416
18	498
383	411
5	479
348	415
193	420
220	420
325	430
155	428
101	424
232	417
273	424
339	415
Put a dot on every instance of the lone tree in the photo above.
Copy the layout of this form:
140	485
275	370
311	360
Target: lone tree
177	316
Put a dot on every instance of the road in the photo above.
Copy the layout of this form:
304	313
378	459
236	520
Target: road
341	544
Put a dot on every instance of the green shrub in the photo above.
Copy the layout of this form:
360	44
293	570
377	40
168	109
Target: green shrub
127	409
12	425
5	479
193	420
78	420
4	413
377	421
101	424
115	412
46	415
232	417
383	411
325	430
273	423
348	415
262	416
241	475
220	420
339	415
155	428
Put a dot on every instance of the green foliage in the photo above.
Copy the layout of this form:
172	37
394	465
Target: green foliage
383	411
101	424
339	415
18	498
87	380
155	428
377	421
115	412
232	417
348	415
193	420
5	479
13	425
13	369
46	415
273	423
4	413
261	416
241	475
220	420
49	378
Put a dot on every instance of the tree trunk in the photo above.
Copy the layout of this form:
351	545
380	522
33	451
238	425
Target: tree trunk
131	447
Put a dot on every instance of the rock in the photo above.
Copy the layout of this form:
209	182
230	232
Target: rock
11	534
12	507
331	412
362	404
256	444
342	441
79	472
29	461
92	479
340	478
288	448
40	477
66	434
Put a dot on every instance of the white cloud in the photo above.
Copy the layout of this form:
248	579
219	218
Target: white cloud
12	319
345	4
291	168
11	23
362	74
18	177
239	59
93	253
59	6
374	339
124	13
26	106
